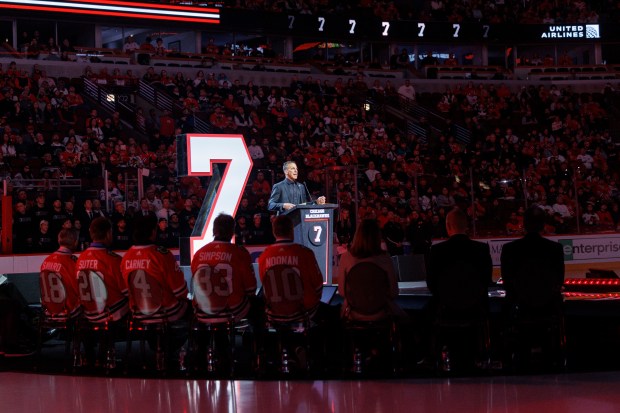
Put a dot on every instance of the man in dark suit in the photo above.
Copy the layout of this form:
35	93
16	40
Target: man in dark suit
288	193
533	268
88	215
145	209
460	271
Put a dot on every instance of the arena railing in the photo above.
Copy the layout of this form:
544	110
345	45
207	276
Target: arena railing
157	98
100	95
435	120
45	185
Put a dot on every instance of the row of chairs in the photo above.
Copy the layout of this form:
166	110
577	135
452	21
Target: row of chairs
211	336
147	321
530	335
276	346
78	330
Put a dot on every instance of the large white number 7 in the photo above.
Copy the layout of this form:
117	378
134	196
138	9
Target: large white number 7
386	28
202	152
421	26
457	28
352	23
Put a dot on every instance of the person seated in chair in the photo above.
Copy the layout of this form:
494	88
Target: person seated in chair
227	269
144	259
107	265
459	275
62	264
460	271
224	287
533	269
533	275
290	275
366	248
103	292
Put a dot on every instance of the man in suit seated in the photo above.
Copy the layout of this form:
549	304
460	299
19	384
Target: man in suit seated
533	275
533	269
460	271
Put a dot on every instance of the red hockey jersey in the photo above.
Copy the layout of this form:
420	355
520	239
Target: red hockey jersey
162	267
223	278
60	300
290	275
107	266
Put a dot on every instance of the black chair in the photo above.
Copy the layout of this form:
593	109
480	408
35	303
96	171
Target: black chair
216	321
56	316
99	321
536	337
287	321
461	333
149	320
368	324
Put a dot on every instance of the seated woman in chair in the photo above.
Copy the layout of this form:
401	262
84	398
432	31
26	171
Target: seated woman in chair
366	277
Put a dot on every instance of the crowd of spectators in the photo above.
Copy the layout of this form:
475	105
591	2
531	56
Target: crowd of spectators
34	46
50	133
541	145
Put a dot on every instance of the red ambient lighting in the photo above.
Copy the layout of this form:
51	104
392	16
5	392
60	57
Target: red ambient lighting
591	296
588	281
120	9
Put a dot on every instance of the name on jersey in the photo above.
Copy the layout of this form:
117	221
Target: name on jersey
215	256
137	264
88	264
51	266
282	260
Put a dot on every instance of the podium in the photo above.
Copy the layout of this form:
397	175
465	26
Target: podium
314	228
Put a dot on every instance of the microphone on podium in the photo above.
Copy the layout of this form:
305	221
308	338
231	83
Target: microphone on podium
312	201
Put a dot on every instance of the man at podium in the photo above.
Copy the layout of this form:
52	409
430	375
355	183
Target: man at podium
288	193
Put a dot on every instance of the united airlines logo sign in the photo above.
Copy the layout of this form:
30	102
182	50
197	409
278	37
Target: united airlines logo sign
593	31
116	8
579	31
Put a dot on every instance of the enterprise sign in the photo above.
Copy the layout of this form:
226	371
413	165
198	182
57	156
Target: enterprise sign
587	31
585	248
114	8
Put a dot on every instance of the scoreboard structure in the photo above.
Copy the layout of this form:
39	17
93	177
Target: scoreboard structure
360	25
372	28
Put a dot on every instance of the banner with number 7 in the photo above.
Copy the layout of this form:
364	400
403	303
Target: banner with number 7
224	158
